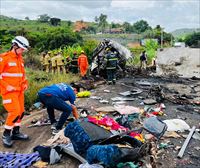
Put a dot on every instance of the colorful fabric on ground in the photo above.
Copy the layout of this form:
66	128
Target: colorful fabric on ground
15	160
138	136
108	122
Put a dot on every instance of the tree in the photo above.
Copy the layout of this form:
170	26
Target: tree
115	25
96	19
43	18
156	33
91	29
127	26
69	22
101	20
141	26
158	27
193	40
55	21
26	18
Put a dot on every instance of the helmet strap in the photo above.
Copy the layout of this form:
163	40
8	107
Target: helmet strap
15	44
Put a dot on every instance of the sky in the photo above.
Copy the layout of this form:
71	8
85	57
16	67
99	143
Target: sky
170	14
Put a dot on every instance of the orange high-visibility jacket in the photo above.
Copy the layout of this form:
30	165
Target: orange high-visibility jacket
83	61
12	72
83	64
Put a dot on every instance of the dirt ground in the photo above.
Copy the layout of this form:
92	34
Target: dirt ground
167	157
183	61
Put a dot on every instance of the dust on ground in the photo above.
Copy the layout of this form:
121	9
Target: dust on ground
182	61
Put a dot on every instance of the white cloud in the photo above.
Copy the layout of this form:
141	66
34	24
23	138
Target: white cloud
132	4
170	14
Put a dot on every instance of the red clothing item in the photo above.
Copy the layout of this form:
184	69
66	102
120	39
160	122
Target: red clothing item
108	122
83	64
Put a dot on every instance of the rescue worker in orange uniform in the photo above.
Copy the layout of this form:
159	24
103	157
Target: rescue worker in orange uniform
13	83
83	64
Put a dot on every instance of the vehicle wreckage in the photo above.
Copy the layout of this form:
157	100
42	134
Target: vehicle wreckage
98	66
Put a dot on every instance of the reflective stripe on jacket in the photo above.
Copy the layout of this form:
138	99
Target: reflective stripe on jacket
111	60
74	61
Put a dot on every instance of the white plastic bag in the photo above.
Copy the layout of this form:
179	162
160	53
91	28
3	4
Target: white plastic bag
176	125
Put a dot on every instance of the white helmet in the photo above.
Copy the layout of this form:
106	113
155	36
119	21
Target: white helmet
21	41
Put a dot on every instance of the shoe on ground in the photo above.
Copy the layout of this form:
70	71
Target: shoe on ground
20	136
7	141
53	126
54	132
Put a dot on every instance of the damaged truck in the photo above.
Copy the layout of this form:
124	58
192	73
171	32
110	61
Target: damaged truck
98	66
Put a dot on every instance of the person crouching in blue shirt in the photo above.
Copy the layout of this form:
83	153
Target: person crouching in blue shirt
54	97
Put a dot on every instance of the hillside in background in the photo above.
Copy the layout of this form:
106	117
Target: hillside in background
42	35
29	25
183	32
2	17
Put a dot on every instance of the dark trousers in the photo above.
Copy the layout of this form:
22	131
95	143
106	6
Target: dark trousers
53	102
74	69
111	75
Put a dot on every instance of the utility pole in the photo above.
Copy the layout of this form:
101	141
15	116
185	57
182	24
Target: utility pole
161	38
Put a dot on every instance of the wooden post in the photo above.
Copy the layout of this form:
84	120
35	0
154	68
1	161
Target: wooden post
181	152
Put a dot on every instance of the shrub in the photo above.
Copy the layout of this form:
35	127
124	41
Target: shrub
136	52
151	47
193	40
88	47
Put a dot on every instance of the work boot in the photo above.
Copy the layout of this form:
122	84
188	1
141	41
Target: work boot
16	135
54	132
7	140
53	126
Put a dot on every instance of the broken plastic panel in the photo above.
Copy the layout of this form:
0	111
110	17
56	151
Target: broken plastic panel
155	126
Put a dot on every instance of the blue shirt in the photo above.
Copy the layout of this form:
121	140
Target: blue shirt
61	90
